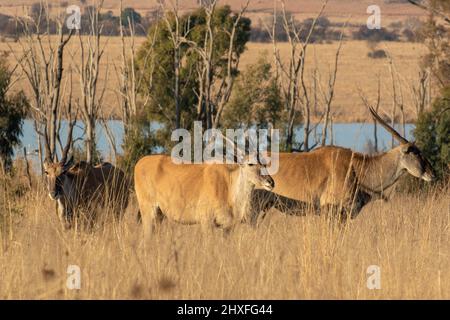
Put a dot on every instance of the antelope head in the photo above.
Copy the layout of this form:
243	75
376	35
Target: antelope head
255	172
411	158
56	172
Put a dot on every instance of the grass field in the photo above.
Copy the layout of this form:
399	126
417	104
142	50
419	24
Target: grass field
356	70
302	8
284	258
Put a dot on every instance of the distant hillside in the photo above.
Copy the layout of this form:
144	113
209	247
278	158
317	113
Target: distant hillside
356	8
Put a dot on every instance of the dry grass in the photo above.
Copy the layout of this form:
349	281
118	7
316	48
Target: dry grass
284	258
356	70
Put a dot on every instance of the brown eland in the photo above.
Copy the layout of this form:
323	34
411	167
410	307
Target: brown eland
218	194
341	178
81	189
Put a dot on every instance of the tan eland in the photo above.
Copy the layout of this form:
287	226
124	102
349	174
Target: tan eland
344	179
196	193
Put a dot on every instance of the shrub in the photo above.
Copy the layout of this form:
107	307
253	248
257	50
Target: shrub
375	35
139	141
13	110
377	54
432	134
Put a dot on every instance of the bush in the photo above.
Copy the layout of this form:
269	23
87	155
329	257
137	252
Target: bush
130	15
9	27
375	35
256	99
323	31
377	54
138	142
432	134
13	111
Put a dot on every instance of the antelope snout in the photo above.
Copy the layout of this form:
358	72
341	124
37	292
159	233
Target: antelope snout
428	176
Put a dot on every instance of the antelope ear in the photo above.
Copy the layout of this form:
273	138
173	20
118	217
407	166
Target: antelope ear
405	148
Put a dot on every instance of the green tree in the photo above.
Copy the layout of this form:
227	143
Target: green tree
138	142
256	99
432	134
130	15
433	126
159	80
12	113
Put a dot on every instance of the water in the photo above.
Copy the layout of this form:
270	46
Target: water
349	135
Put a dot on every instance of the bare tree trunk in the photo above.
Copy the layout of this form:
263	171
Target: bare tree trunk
39	145
292	76
43	68
394	97
331	85
91	53
232	64
377	106
90	140
27	168
176	38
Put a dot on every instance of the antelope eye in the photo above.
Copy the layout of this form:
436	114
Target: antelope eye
46	172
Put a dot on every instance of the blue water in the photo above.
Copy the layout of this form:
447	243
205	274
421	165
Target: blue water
349	135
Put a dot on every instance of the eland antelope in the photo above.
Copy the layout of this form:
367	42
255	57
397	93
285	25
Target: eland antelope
341	178
196	193
84	188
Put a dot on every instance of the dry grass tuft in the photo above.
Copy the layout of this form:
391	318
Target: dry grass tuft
286	257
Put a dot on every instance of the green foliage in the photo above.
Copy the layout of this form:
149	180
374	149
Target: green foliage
159	79
13	110
130	15
139	141
256	98
432	134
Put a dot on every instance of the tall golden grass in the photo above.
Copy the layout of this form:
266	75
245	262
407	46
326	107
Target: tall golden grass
285	257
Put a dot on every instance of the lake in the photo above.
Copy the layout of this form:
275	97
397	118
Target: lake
349	135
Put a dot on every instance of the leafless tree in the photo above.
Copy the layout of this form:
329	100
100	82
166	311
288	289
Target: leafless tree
430	9
397	95
42	63
375	106
177	34
421	92
329	93
212	96
292	75
91	97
